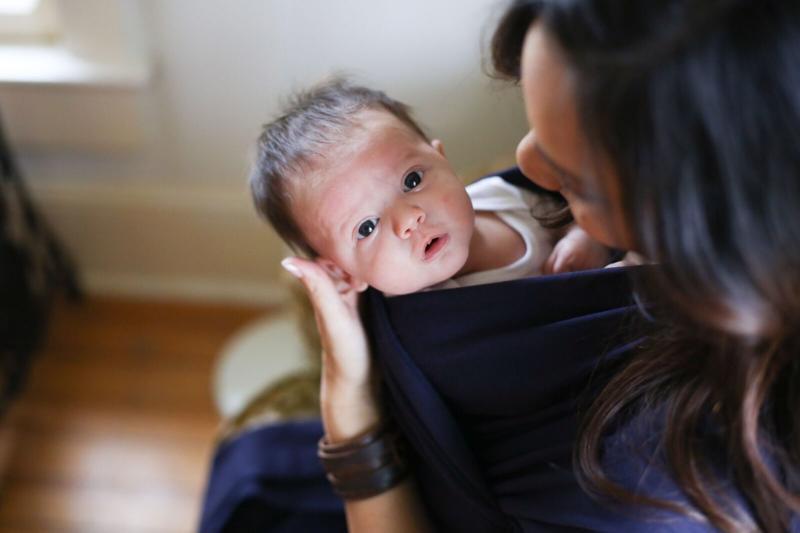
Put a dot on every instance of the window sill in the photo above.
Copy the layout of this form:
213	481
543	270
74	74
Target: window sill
38	65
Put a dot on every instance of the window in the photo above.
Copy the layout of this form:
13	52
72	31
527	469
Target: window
28	21
96	47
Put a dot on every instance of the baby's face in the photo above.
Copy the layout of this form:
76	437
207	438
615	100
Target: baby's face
387	209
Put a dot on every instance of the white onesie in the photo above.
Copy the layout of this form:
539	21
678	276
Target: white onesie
514	206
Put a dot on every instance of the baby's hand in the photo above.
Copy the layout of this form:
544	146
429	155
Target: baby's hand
630	259
576	251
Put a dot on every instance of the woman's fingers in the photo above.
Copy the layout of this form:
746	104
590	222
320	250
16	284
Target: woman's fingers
334	311
341	332
328	302
347	401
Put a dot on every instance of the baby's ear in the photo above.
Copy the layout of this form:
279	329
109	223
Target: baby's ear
438	146
341	279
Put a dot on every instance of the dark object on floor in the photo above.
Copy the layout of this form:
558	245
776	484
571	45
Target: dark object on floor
33	268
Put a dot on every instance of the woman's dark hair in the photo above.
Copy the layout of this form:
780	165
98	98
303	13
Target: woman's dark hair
697	104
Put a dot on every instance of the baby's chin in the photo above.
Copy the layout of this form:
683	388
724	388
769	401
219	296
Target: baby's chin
410	288
400	289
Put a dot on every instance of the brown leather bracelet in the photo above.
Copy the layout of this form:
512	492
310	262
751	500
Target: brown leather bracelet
366	465
370	483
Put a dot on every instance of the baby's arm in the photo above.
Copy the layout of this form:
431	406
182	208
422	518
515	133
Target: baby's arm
576	250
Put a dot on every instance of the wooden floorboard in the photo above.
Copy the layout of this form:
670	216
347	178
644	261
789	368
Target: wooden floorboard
115	429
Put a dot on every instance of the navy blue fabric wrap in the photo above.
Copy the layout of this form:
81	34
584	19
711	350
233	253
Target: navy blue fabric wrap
485	382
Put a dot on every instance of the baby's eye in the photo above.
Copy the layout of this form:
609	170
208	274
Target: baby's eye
412	180
366	228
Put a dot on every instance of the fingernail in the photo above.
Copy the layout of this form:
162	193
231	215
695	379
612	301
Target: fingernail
291	268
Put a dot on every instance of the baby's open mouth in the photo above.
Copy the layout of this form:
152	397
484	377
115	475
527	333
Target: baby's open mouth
434	245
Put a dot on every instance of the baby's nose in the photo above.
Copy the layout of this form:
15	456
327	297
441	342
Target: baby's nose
407	220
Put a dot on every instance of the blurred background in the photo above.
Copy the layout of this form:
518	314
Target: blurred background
129	129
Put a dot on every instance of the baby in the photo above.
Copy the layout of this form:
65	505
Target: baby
346	176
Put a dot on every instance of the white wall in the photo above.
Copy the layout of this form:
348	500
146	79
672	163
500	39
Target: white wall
171	215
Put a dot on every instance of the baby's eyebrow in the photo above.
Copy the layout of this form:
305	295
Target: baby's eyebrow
408	154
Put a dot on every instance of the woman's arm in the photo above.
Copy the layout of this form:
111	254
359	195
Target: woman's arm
349	404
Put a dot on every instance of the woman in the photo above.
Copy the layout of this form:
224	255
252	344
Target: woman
671	128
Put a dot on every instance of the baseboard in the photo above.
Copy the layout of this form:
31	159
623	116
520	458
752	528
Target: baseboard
201	290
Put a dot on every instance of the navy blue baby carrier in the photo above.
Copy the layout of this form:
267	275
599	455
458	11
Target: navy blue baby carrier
485	382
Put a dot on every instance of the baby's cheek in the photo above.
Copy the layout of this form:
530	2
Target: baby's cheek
447	200
387	271
458	205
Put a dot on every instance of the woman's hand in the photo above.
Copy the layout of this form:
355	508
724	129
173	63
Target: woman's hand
348	400
348	394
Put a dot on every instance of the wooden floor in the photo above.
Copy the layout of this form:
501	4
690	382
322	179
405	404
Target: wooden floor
115	429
